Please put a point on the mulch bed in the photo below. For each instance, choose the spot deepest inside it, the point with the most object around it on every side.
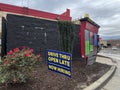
(43, 79)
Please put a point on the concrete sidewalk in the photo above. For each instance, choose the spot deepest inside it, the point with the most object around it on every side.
(100, 82)
(114, 82)
(104, 60)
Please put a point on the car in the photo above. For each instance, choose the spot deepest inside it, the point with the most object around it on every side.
(105, 47)
(114, 48)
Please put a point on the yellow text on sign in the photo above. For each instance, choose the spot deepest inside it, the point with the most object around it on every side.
(63, 56)
(64, 71)
(52, 67)
(64, 62)
(59, 69)
(53, 54)
(53, 59)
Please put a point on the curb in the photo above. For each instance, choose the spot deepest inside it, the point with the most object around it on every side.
(100, 55)
(101, 81)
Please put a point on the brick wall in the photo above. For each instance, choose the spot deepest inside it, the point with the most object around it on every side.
(36, 33)
(39, 34)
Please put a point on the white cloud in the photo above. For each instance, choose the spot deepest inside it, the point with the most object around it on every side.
(106, 13)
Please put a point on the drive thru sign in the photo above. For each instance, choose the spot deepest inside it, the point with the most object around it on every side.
(60, 62)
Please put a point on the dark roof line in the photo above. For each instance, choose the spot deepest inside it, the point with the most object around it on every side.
(90, 21)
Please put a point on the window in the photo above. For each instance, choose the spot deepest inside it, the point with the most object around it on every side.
(89, 42)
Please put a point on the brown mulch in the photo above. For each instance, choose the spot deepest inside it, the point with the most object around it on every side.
(43, 79)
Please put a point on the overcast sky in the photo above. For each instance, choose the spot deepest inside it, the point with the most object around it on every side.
(106, 13)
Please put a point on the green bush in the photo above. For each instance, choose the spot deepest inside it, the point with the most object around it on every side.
(17, 65)
(66, 30)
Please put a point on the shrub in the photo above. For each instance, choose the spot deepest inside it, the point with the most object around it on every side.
(17, 65)
(66, 38)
